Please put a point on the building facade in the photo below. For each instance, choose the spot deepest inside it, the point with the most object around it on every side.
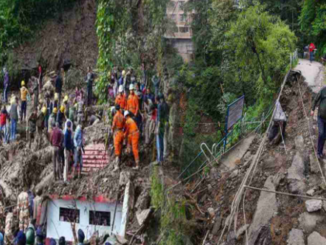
(89, 216)
(181, 35)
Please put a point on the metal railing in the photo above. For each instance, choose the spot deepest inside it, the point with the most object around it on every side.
(245, 127)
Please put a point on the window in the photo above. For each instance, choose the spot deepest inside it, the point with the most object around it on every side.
(183, 18)
(173, 17)
(99, 218)
(69, 215)
(184, 29)
(181, 5)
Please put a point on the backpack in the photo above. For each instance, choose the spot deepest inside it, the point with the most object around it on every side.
(322, 105)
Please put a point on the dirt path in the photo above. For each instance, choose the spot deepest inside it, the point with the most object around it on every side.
(314, 74)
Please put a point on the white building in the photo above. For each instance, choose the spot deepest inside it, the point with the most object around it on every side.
(97, 215)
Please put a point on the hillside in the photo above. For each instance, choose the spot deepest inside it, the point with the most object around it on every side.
(70, 36)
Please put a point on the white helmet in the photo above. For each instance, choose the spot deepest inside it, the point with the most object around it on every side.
(112, 109)
(131, 87)
(126, 113)
(120, 89)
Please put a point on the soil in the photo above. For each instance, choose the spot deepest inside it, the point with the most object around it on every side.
(72, 37)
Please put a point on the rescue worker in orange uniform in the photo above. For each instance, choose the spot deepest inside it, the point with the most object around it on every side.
(118, 126)
(132, 134)
(133, 101)
(121, 99)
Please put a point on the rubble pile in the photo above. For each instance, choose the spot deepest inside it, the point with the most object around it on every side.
(271, 218)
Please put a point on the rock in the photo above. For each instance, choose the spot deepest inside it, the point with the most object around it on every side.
(313, 164)
(211, 212)
(235, 173)
(296, 237)
(266, 208)
(313, 205)
(299, 143)
(142, 216)
(311, 192)
(296, 175)
(308, 221)
(143, 200)
(124, 178)
(217, 226)
(295, 172)
(316, 239)
(324, 205)
(241, 231)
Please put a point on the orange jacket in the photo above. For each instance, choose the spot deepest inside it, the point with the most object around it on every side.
(118, 121)
(133, 104)
(121, 101)
(131, 127)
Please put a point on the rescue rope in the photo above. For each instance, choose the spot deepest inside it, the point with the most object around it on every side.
(240, 193)
(284, 193)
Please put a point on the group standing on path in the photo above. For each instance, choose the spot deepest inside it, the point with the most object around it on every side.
(136, 114)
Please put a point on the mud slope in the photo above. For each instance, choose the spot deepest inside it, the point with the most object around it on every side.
(72, 37)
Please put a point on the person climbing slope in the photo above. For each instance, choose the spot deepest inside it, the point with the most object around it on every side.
(68, 147)
(23, 97)
(132, 135)
(121, 98)
(118, 126)
(56, 140)
(79, 148)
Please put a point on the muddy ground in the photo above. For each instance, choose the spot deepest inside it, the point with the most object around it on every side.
(218, 189)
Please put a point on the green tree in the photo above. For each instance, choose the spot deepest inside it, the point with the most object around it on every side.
(260, 45)
(312, 22)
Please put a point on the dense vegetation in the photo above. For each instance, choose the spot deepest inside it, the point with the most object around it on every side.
(239, 51)
(20, 18)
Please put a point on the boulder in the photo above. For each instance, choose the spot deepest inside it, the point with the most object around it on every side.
(266, 208)
(313, 205)
(296, 175)
(296, 237)
(143, 216)
(316, 239)
(299, 143)
(308, 221)
(217, 226)
(314, 168)
(143, 201)
(311, 192)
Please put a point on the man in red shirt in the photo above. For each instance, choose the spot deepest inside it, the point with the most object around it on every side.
(56, 142)
(3, 123)
(312, 49)
(40, 76)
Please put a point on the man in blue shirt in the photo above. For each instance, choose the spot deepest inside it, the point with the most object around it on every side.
(68, 147)
(79, 147)
(161, 121)
(5, 85)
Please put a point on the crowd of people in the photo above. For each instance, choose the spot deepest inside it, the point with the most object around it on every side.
(135, 114)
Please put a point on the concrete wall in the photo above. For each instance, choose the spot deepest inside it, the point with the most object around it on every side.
(184, 47)
(56, 228)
